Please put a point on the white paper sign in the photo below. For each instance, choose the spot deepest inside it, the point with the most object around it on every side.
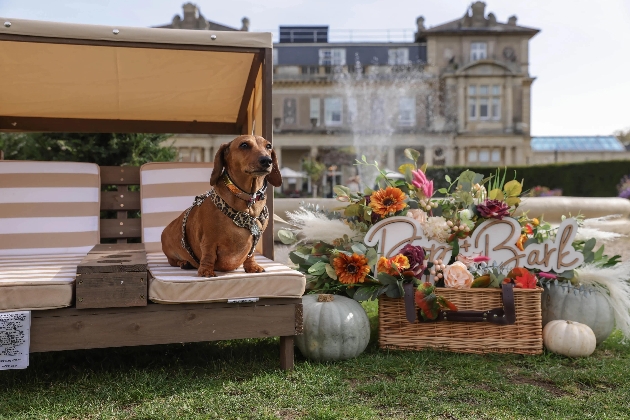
(15, 339)
(493, 238)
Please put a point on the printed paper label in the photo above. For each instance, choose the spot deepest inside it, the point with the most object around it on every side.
(15, 339)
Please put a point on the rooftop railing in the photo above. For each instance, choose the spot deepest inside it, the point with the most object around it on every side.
(351, 35)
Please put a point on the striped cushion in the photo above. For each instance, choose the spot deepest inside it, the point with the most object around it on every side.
(174, 285)
(49, 220)
(37, 282)
(167, 189)
(48, 207)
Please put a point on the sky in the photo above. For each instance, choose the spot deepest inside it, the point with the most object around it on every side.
(580, 59)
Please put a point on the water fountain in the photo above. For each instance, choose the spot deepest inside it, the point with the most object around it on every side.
(381, 100)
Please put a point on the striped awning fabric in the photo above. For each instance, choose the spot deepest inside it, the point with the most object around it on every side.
(167, 189)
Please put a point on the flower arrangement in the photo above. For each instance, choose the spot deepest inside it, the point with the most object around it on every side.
(448, 216)
(624, 187)
(540, 191)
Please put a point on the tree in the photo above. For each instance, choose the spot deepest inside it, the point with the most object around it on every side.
(106, 149)
(315, 170)
(624, 137)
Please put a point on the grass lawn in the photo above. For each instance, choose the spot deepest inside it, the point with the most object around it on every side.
(240, 379)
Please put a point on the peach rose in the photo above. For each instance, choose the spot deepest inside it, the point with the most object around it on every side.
(457, 276)
(417, 214)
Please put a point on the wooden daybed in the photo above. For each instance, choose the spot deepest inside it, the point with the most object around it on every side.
(83, 78)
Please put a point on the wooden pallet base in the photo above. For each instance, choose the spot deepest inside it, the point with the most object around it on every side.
(71, 328)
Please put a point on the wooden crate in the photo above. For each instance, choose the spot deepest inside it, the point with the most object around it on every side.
(112, 276)
(523, 337)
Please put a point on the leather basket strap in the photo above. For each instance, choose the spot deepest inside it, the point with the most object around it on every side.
(500, 316)
(410, 306)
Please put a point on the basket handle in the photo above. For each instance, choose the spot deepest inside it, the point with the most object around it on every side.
(500, 316)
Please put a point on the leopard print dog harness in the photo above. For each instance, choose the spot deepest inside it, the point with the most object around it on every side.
(240, 219)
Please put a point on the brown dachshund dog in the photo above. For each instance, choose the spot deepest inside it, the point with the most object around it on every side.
(214, 238)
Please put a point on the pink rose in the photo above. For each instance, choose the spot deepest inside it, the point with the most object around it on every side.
(457, 276)
(417, 214)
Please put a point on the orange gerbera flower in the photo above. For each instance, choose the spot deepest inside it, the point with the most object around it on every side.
(351, 269)
(521, 241)
(389, 200)
(392, 266)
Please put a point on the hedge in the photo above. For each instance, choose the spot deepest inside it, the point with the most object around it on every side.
(584, 179)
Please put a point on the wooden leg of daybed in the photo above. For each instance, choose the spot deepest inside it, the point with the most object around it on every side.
(286, 352)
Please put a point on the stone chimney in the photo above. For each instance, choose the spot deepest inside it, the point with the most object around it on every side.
(478, 10)
(419, 35)
(512, 20)
(191, 12)
(245, 22)
(492, 19)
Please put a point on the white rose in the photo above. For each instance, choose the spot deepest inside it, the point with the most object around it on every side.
(457, 276)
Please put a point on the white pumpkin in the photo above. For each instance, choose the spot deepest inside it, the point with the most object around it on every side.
(569, 338)
(335, 328)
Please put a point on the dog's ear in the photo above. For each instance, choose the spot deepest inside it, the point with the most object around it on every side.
(219, 163)
(274, 177)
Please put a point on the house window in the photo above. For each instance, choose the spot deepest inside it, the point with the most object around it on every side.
(332, 57)
(289, 111)
(398, 56)
(484, 102)
(315, 108)
(496, 155)
(407, 112)
(472, 108)
(333, 111)
(472, 155)
(310, 69)
(484, 155)
(378, 112)
(478, 51)
(483, 108)
(352, 110)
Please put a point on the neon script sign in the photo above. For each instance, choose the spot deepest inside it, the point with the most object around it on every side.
(495, 239)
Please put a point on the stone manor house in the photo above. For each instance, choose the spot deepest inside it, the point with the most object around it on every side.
(458, 92)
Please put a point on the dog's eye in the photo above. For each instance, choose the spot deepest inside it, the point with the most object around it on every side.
(268, 146)
(244, 145)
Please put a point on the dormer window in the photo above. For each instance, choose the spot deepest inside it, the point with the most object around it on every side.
(332, 56)
(478, 51)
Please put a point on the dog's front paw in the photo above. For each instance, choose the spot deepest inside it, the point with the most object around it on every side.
(252, 267)
(206, 272)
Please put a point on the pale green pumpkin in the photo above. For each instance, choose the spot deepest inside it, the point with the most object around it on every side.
(333, 330)
(562, 301)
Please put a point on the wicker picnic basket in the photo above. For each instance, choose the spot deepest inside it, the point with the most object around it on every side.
(522, 337)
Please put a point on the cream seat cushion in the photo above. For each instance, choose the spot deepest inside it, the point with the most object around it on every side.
(37, 281)
(174, 285)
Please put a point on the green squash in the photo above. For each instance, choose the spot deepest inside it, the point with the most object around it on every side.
(562, 301)
(335, 328)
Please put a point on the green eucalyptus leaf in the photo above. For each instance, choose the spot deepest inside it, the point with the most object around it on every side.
(385, 278)
(589, 245)
(287, 237)
(359, 248)
(372, 256)
(412, 154)
(318, 268)
(363, 293)
(331, 272)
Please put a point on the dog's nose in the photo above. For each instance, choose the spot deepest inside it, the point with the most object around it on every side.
(265, 161)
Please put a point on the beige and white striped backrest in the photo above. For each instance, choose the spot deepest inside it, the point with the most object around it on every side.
(49, 207)
(167, 189)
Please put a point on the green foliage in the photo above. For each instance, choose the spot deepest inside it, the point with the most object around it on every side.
(106, 149)
(585, 179)
(314, 169)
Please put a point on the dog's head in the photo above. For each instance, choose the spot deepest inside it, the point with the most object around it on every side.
(251, 155)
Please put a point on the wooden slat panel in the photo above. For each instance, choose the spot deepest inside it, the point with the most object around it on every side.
(111, 290)
(120, 175)
(267, 130)
(119, 259)
(181, 324)
(112, 228)
(249, 89)
(79, 125)
(120, 200)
